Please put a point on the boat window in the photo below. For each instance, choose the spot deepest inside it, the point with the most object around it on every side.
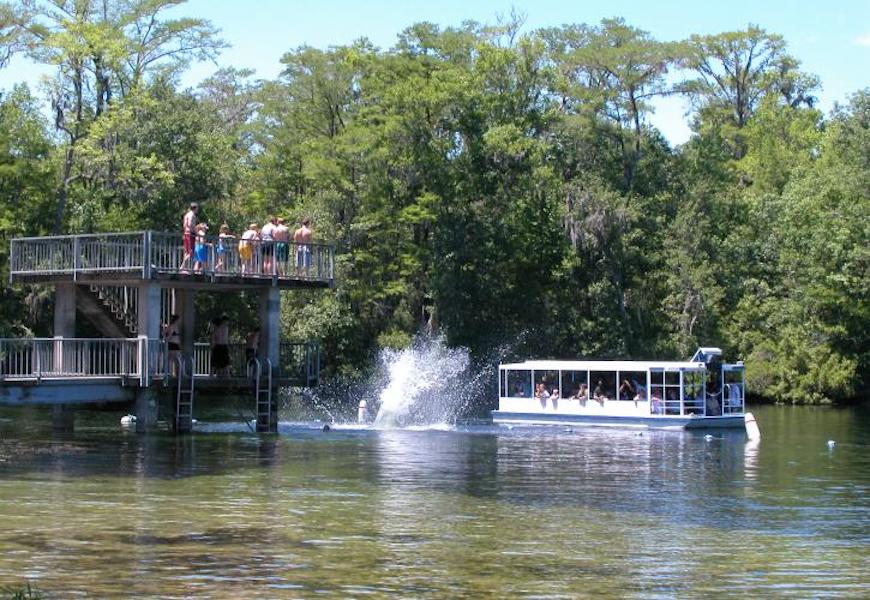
(603, 384)
(732, 390)
(550, 379)
(664, 392)
(576, 384)
(693, 392)
(632, 386)
(519, 384)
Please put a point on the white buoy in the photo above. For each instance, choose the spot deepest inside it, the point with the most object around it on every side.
(128, 420)
(362, 415)
(752, 431)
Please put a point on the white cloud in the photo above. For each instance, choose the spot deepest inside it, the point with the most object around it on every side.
(863, 40)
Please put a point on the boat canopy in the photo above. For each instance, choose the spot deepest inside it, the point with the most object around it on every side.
(602, 365)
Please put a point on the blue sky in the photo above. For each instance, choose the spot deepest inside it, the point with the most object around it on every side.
(831, 39)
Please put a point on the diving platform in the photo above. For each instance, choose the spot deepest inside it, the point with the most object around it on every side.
(129, 286)
(129, 258)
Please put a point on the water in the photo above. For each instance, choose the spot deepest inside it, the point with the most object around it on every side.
(425, 384)
(481, 511)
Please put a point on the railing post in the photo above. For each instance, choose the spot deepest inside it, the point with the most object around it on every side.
(76, 261)
(144, 367)
(146, 254)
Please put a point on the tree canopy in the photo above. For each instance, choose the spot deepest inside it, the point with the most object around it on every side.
(503, 186)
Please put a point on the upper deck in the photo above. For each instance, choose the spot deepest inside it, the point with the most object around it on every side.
(150, 255)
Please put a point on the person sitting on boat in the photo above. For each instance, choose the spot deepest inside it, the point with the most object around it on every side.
(554, 398)
(542, 394)
(656, 403)
(598, 393)
(626, 390)
(640, 389)
(582, 394)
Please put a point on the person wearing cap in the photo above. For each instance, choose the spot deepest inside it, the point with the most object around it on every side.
(188, 232)
(246, 248)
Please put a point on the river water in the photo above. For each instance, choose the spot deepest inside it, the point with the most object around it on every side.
(440, 512)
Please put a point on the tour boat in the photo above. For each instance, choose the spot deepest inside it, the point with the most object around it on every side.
(701, 392)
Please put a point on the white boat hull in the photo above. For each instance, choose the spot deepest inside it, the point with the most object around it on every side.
(649, 422)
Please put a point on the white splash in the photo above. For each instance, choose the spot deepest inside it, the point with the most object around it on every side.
(426, 384)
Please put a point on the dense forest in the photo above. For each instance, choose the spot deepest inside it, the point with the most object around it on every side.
(503, 186)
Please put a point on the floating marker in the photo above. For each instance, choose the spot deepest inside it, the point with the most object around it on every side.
(752, 431)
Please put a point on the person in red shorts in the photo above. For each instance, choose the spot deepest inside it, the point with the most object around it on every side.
(188, 228)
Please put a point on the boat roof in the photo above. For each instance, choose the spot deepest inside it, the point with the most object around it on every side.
(601, 365)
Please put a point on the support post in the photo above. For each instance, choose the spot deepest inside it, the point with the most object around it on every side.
(148, 322)
(65, 309)
(270, 326)
(186, 302)
(63, 418)
(270, 343)
(64, 327)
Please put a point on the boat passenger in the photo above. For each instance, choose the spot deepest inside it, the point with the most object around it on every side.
(554, 398)
(542, 394)
(656, 404)
(598, 393)
(582, 394)
(626, 390)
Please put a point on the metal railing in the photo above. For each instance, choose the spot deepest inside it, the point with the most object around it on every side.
(34, 359)
(231, 256)
(299, 361)
(151, 253)
(63, 358)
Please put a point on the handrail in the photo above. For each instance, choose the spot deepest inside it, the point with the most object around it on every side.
(35, 359)
(150, 253)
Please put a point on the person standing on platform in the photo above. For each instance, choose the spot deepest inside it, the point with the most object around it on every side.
(200, 249)
(188, 231)
(246, 248)
(252, 345)
(172, 337)
(302, 237)
(282, 239)
(220, 346)
(225, 239)
(267, 237)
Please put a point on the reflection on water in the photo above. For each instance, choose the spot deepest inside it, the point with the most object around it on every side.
(473, 512)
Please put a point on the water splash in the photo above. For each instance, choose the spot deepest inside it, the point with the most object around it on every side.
(427, 383)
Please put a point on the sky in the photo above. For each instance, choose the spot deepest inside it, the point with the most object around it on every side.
(831, 39)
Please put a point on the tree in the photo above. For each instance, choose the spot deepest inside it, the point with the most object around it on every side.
(735, 71)
(104, 49)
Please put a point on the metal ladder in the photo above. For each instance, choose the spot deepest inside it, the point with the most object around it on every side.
(267, 420)
(184, 395)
